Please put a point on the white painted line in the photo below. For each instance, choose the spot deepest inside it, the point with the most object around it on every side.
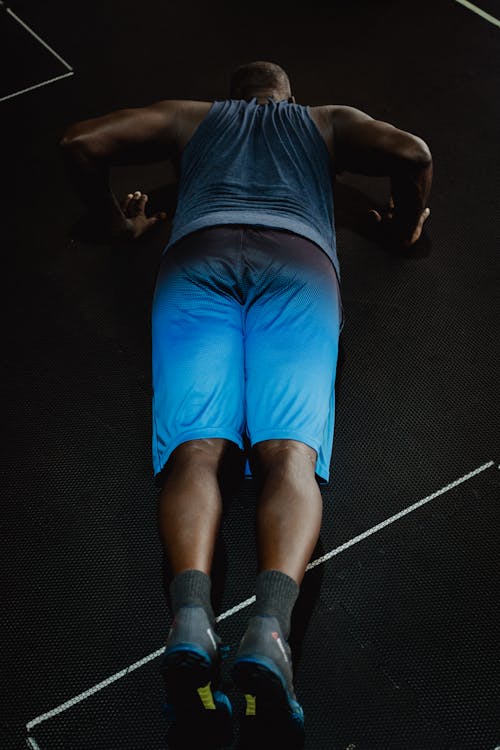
(248, 602)
(397, 516)
(36, 86)
(92, 690)
(38, 38)
(479, 12)
(32, 744)
(237, 608)
(44, 44)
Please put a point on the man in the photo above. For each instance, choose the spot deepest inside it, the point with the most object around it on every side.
(245, 325)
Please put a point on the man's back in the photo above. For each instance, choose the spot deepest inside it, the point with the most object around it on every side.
(257, 164)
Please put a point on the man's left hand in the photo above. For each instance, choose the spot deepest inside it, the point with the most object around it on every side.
(134, 210)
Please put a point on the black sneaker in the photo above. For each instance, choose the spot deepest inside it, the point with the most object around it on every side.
(191, 670)
(262, 670)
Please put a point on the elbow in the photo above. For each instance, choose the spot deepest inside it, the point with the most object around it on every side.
(71, 146)
(77, 148)
(413, 157)
(72, 141)
(78, 138)
(67, 143)
(420, 154)
(71, 136)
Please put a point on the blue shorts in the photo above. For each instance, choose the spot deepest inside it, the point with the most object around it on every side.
(245, 330)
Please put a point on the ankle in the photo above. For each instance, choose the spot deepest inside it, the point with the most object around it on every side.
(192, 588)
(276, 594)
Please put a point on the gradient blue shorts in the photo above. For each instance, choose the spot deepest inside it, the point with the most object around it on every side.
(245, 330)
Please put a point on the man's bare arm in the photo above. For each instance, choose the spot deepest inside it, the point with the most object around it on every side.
(128, 136)
(366, 146)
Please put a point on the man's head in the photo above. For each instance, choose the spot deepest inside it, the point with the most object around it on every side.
(260, 79)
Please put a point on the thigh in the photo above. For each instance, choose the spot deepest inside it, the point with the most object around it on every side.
(291, 353)
(197, 357)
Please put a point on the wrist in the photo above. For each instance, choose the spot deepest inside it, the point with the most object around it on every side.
(119, 228)
(118, 224)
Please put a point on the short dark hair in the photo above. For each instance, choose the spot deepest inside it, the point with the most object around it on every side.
(259, 76)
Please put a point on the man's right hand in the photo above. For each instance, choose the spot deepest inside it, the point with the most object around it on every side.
(396, 232)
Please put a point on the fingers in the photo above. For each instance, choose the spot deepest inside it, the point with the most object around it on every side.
(134, 208)
(387, 214)
(140, 199)
(388, 228)
(126, 203)
(423, 217)
(158, 216)
(374, 215)
(418, 230)
(134, 203)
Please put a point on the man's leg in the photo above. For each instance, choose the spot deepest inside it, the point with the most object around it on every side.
(190, 504)
(288, 525)
(198, 392)
(190, 510)
(290, 507)
(291, 343)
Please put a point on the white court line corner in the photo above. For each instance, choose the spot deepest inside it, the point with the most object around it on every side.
(47, 47)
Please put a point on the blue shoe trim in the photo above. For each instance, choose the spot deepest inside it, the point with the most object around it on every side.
(186, 646)
(269, 664)
(222, 702)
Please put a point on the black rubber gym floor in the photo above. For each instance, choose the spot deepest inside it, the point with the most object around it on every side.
(396, 634)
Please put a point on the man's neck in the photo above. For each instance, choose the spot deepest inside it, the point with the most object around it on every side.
(262, 98)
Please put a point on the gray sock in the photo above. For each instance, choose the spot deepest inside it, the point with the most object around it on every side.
(191, 588)
(276, 594)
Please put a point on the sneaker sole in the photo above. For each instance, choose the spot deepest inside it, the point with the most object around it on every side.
(186, 668)
(200, 713)
(258, 677)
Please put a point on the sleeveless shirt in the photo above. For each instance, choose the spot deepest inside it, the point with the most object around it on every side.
(257, 164)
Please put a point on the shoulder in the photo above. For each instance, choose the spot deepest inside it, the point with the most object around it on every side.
(332, 117)
(180, 107)
(181, 116)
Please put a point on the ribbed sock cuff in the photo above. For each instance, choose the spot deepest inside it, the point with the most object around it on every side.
(191, 588)
(276, 594)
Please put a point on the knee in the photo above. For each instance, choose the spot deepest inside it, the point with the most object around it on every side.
(289, 458)
(204, 453)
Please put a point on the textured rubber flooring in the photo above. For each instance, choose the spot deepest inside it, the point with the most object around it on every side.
(395, 637)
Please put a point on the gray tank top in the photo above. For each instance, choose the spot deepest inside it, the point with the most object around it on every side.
(258, 164)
